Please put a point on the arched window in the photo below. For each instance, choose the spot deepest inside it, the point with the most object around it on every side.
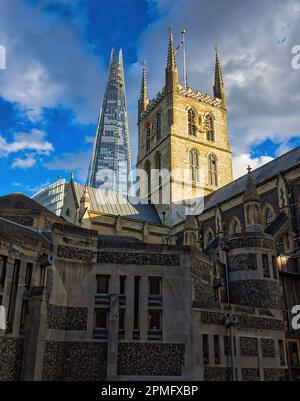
(191, 121)
(147, 169)
(235, 226)
(212, 170)
(208, 237)
(158, 127)
(194, 165)
(209, 126)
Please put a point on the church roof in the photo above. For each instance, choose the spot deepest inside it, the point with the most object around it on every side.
(260, 175)
(113, 203)
(22, 202)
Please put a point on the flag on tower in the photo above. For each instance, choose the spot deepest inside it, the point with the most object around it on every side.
(179, 46)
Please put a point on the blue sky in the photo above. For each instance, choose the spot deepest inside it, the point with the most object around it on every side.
(57, 54)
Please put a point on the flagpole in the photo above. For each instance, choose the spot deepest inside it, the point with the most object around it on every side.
(184, 65)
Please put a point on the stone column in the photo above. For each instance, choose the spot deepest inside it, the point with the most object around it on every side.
(35, 333)
(112, 342)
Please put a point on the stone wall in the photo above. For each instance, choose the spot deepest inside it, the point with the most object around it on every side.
(204, 294)
(258, 293)
(275, 374)
(75, 361)
(268, 347)
(250, 374)
(11, 354)
(150, 359)
(138, 258)
(67, 318)
(248, 346)
(243, 262)
(217, 374)
(68, 252)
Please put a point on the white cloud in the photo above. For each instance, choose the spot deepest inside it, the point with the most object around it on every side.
(68, 161)
(242, 161)
(33, 140)
(27, 162)
(48, 61)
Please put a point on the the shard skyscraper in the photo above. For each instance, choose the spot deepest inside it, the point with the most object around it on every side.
(110, 167)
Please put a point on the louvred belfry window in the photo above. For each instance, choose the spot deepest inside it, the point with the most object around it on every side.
(191, 122)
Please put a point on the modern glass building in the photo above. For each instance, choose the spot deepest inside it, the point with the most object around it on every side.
(53, 196)
(110, 164)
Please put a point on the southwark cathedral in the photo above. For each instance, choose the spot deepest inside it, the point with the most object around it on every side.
(191, 277)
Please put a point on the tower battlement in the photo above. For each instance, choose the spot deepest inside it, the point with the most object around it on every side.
(189, 92)
(198, 95)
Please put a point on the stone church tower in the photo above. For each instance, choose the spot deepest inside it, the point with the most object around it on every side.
(184, 132)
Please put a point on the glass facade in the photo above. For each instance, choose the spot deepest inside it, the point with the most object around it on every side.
(52, 197)
(110, 165)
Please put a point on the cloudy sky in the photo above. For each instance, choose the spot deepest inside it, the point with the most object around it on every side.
(57, 55)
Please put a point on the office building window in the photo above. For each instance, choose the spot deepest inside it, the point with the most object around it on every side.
(102, 284)
(122, 314)
(205, 349)
(154, 320)
(155, 286)
(122, 285)
(136, 303)
(101, 316)
(217, 349)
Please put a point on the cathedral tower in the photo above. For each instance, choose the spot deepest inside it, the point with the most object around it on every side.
(110, 165)
(184, 132)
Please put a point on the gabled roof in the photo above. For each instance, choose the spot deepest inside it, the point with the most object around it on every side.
(260, 175)
(22, 202)
(113, 203)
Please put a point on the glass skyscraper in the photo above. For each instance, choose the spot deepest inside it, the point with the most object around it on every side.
(110, 167)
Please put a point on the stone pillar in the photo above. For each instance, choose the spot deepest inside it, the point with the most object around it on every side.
(112, 342)
(35, 334)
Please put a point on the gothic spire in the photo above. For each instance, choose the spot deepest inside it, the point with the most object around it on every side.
(219, 89)
(171, 70)
(143, 100)
(144, 89)
(171, 64)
